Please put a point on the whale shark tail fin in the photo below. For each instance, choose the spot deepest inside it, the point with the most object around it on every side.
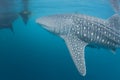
(115, 22)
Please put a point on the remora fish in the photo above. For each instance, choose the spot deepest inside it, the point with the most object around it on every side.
(6, 20)
(25, 14)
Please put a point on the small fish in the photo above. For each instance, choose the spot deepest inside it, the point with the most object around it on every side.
(25, 14)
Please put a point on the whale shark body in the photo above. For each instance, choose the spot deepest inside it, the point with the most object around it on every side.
(79, 30)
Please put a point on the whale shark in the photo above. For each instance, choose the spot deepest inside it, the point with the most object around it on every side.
(79, 31)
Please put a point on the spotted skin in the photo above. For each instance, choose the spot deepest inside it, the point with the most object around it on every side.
(78, 31)
(95, 31)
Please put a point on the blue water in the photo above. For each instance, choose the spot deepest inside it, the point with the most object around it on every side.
(31, 53)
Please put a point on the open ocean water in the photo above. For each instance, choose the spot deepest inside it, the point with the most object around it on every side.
(32, 53)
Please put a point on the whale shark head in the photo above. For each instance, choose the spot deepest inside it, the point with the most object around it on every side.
(57, 23)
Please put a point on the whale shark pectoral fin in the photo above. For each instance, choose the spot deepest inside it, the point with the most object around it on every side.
(76, 48)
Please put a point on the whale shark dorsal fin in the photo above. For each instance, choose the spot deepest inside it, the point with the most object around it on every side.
(114, 22)
(113, 17)
(76, 48)
(116, 5)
